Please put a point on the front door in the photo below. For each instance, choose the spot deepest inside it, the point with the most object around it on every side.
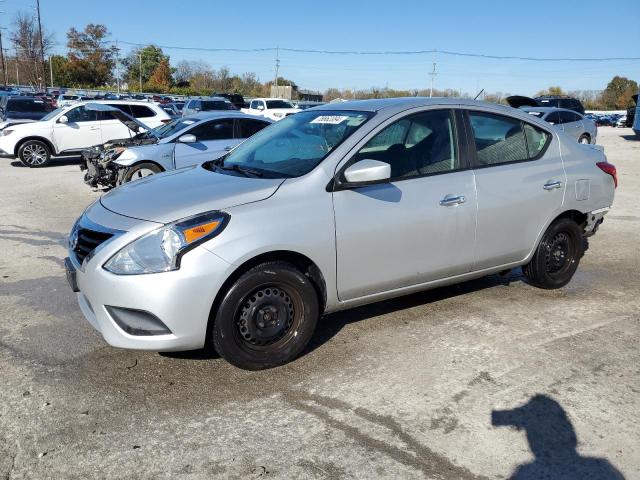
(214, 138)
(417, 228)
(82, 130)
(520, 185)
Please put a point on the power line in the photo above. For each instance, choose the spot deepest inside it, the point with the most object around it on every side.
(388, 52)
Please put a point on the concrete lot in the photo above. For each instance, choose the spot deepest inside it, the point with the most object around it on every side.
(400, 389)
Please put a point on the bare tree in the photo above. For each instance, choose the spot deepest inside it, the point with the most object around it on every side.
(26, 40)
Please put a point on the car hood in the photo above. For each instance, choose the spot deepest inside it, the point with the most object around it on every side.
(176, 194)
(517, 101)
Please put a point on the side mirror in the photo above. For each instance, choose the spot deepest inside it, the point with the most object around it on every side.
(367, 172)
(260, 107)
(63, 119)
(197, 109)
(187, 138)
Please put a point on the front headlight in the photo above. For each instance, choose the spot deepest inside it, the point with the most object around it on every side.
(278, 115)
(161, 250)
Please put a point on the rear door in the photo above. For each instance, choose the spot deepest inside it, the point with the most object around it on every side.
(416, 228)
(214, 138)
(81, 131)
(571, 123)
(520, 184)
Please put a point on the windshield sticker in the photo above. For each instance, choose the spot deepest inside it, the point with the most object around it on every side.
(330, 119)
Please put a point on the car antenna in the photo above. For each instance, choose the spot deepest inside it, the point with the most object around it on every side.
(479, 93)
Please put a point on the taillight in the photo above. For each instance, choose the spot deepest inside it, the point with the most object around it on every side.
(609, 168)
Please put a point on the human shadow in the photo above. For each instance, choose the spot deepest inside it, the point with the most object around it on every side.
(553, 441)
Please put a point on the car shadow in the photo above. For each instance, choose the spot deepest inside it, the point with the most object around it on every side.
(631, 137)
(331, 324)
(55, 162)
(553, 441)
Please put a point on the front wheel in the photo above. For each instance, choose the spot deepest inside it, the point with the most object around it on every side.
(34, 154)
(267, 317)
(557, 257)
(140, 170)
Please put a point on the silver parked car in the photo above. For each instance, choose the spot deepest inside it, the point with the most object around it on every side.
(336, 206)
(577, 126)
(183, 142)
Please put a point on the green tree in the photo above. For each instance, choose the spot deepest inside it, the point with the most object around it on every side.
(148, 58)
(617, 95)
(90, 61)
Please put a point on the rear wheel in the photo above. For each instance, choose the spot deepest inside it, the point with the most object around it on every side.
(34, 154)
(557, 256)
(267, 317)
(584, 139)
(141, 170)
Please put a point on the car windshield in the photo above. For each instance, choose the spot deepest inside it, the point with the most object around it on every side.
(167, 129)
(51, 114)
(297, 144)
(278, 104)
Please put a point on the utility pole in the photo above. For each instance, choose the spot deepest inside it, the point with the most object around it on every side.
(44, 80)
(117, 51)
(433, 76)
(275, 81)
(4, 65)
(140, 69)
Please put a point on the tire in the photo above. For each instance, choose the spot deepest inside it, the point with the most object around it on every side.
(140, 170)
(34, 154)
(584, 139)
(557, 257)
(266, 318)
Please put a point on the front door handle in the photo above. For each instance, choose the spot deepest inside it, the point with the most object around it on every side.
(452, 200)
(552, 185)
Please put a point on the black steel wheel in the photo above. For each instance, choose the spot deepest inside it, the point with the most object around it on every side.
(267, 317)
(557, 257)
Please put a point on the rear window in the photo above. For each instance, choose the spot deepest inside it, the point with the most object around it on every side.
(20, 105)
(208, 105)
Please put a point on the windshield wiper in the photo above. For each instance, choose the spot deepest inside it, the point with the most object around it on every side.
(247, 172)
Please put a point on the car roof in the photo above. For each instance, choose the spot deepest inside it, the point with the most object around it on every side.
(221, 99)
(402, 103)
(547, 109)
(116, 102)
(212, 114)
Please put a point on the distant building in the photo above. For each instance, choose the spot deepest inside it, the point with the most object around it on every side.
(292, 92)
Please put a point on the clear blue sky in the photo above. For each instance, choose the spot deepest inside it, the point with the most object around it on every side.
(542, 28)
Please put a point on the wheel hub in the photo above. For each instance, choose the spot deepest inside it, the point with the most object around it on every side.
(557, 253)
(266, 316)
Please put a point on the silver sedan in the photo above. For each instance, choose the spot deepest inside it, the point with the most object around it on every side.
(571, 123)
(336, 206)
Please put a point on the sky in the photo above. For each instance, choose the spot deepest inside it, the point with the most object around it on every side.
(541, 29)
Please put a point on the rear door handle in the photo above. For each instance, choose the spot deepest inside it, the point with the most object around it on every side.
(552, 185)
(452, 200)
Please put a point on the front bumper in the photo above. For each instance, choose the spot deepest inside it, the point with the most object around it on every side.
(181, 299)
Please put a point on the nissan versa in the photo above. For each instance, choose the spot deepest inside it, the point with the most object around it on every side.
(333, 207)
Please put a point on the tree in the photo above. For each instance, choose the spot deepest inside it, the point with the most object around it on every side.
(550, 91)
(26, 40)
(149, 58)
(617, 95)
(90, 62)
(160, 80)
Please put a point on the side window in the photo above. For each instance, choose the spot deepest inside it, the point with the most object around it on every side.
(421, 144)
(141, 111)
(537, 140)
(81, 114)
(249, 127)
(216, 130)
(553, 118)
(498, 139)
(122, 106)
(254, 104)
(566, 117)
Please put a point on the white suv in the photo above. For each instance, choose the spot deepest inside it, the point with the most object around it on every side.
(272, 108)
(72, 128)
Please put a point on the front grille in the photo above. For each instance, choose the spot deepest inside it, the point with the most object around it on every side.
(88, 241)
